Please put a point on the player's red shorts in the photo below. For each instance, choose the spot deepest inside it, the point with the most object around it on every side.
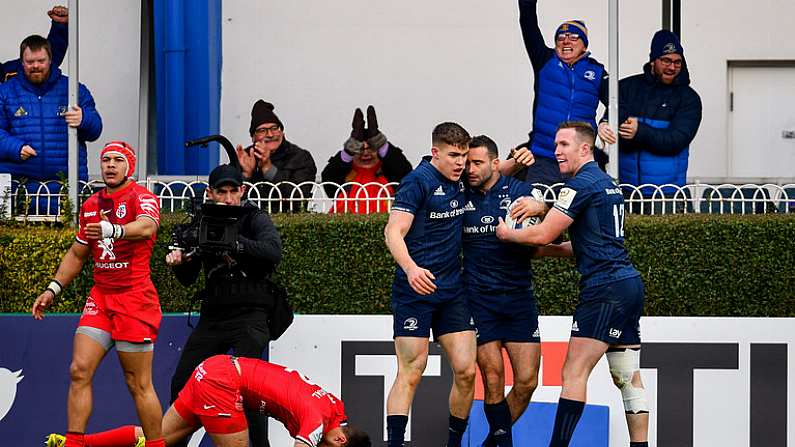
(212, 398)
(133, 315)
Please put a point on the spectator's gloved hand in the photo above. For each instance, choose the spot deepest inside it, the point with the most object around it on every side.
(59, 14)
(354, 144)
(375, 138)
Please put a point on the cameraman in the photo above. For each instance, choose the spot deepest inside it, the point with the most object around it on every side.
(237, 294)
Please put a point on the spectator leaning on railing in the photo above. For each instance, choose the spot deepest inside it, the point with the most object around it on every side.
(659, 114)
(271, 158)
(34, 115)
(366, 157)
(58, 38)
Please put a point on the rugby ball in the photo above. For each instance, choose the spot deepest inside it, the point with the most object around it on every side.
(535, 220)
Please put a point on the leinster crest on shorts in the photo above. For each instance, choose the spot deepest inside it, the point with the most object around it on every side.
(121, 210)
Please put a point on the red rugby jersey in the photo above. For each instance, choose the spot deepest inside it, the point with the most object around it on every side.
(120, 264)
(306, 410)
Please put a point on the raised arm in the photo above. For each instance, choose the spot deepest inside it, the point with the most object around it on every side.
(537, 49)
(59, 33)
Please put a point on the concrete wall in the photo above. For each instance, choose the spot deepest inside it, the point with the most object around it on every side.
(421, 63)
(109, 58)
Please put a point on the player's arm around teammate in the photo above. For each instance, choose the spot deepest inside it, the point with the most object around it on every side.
(592, 204)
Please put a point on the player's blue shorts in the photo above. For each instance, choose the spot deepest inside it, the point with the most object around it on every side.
(610, 312)
(415, 315)
(511, 317)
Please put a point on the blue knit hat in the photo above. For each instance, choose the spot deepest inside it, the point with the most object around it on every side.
(573, 27)
(665, 42)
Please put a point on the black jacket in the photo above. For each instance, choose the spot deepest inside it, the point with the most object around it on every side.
(244, 287)
(293, 164)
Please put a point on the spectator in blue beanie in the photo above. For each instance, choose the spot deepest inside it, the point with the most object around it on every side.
(568, 84)
(659, 114)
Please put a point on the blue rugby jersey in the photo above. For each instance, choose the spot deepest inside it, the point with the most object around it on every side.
(492, 266)
(434, 239)
(596, 204)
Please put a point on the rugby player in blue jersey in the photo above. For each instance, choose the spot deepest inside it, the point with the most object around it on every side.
(607, 318)
(423, 234)
(498, 279)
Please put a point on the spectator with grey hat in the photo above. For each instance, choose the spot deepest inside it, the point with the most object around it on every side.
(659, 114)
(238, 297)
(273, 159)
(367, 158)
(568, 84)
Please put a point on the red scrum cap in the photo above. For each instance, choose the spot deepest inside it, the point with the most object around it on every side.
(124, 150)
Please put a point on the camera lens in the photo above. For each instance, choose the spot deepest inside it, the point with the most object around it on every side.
(215, 233)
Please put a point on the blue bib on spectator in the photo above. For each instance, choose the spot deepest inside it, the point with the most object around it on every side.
(564, 94)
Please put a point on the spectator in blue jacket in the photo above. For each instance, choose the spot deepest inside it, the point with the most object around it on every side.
(34, 115)
(58, 38)
(659, 114)
(568, 85)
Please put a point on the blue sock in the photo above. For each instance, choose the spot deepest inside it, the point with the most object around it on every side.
(639, 444)
(499, 417)
(569, 412)
(456, 431)
(396, 429)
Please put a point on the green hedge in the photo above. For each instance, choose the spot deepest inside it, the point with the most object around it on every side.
(691, 265)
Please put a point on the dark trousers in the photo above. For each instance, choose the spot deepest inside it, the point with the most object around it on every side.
(246, 337)
(545, 171)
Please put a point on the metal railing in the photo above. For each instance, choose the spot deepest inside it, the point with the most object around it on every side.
(42, 201)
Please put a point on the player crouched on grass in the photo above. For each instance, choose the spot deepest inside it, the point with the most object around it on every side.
(223, 386)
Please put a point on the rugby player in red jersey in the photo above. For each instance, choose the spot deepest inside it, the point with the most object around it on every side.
(222, 387)
(118, 227)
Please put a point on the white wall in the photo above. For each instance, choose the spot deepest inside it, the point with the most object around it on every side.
(421, 63)
(418, 62)
(110, 39)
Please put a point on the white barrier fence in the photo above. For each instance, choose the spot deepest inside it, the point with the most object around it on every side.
(42, 201)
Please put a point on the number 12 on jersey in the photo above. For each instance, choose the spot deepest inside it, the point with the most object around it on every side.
(618, 219)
